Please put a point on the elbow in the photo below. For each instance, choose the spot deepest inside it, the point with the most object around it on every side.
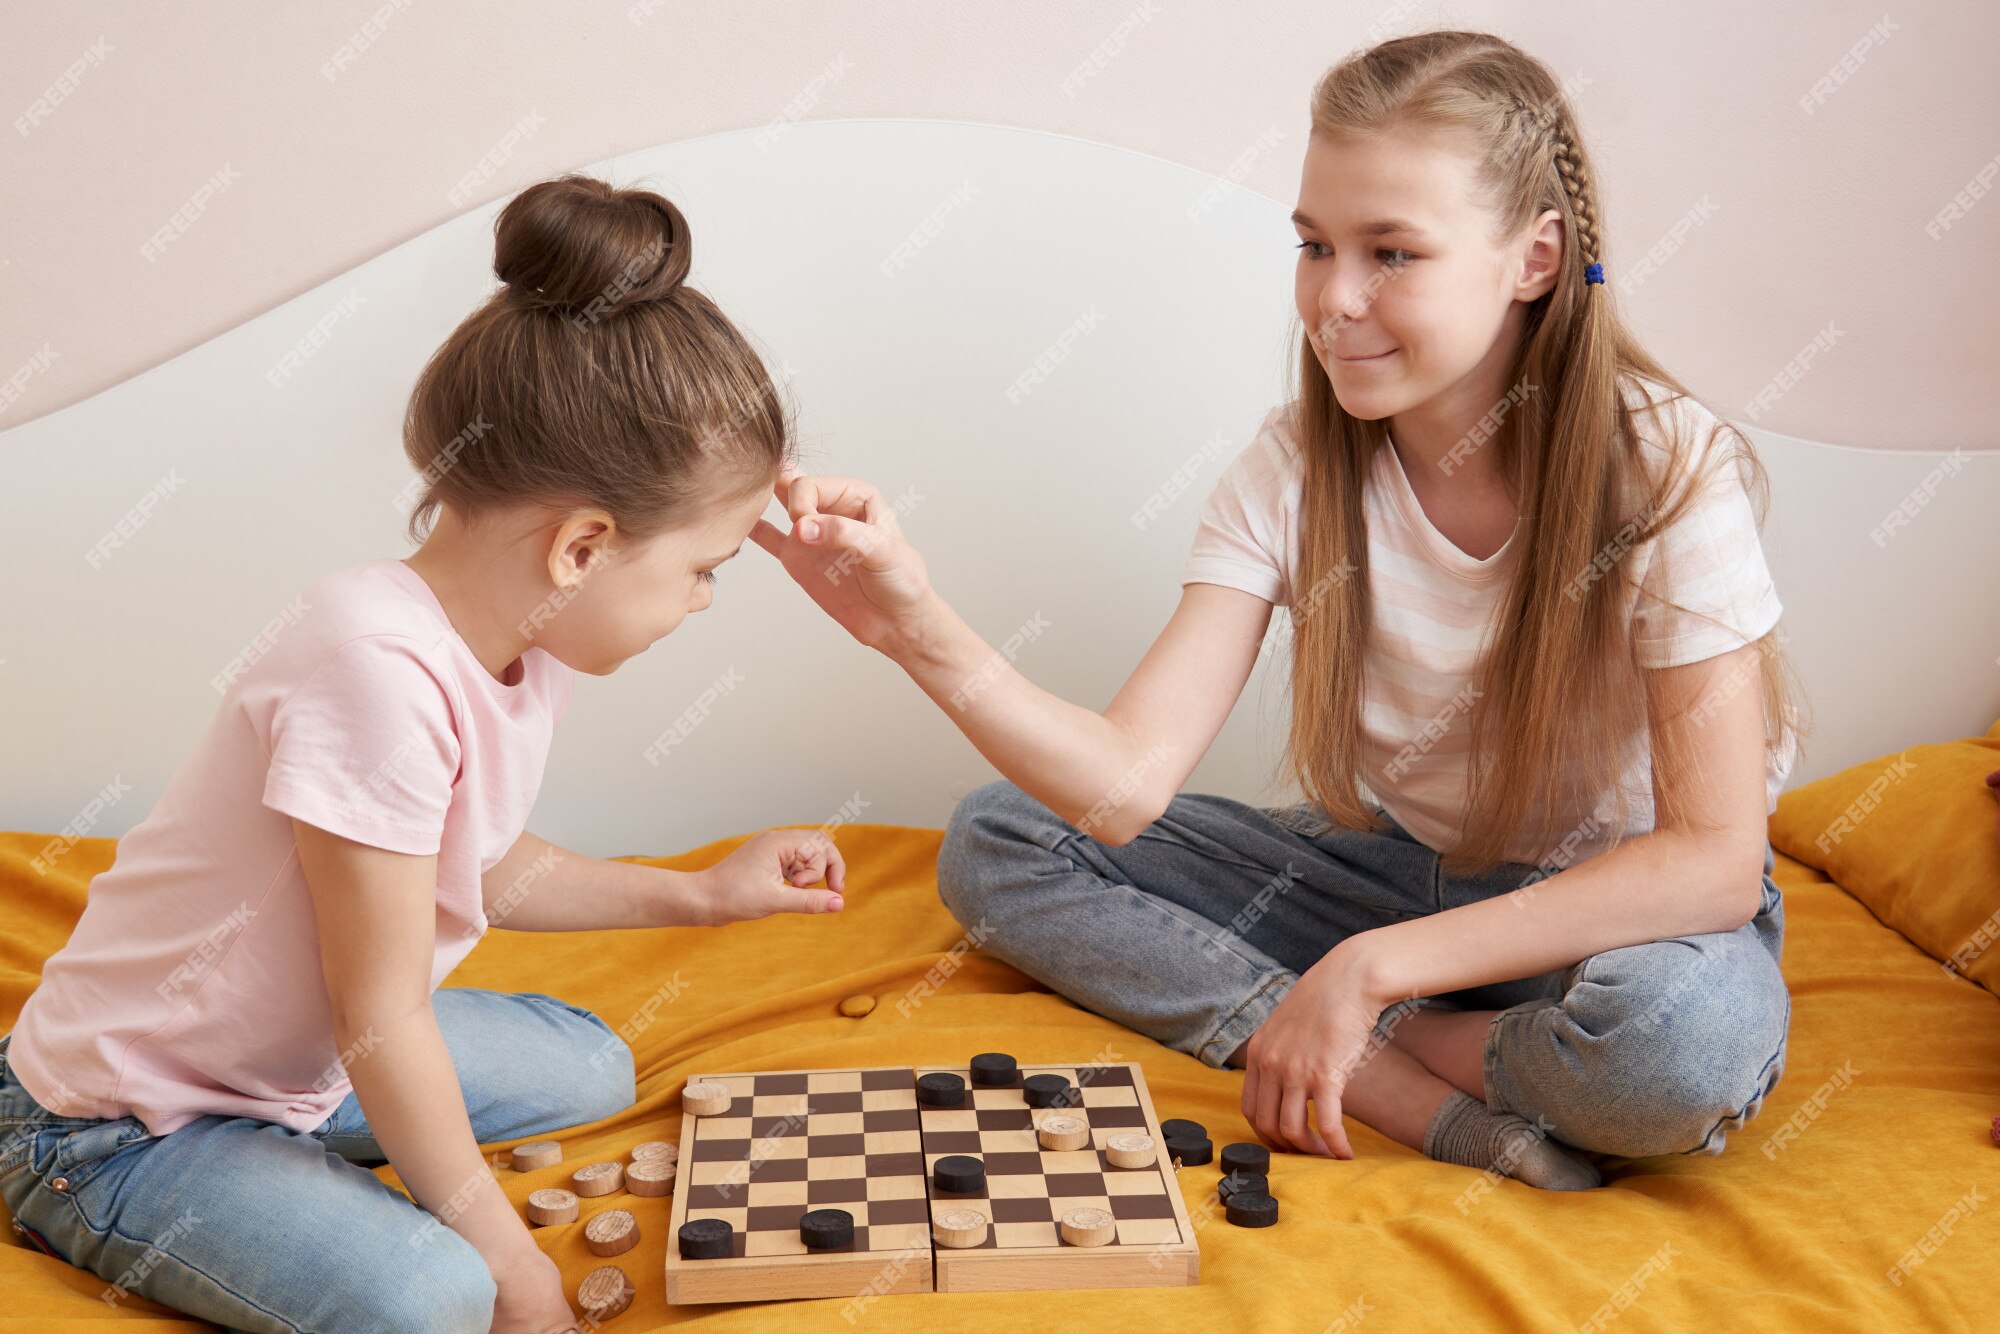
(1738, 884)
(364, 1024)
(1115, 826)
(1112, 834)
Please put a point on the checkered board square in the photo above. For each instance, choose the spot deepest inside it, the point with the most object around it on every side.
(1029, 1188)
(790, 1142)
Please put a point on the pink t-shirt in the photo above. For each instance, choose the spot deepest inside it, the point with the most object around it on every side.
(192, 982)
(1434, 606)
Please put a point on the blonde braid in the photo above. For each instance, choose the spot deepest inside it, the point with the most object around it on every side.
(1576, 184)
(1569, 167)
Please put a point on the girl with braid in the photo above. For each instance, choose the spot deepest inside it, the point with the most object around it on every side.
(1539, 705)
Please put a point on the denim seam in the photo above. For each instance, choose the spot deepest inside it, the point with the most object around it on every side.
(1489, 1063)
(1763, 1090)
(113, 1230)
(1227, 939)
(1227, 856)
(1230, 1025)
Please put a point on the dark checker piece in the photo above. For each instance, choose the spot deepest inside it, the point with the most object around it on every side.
(939, 1089)
(1191, 1152)
(1180, 1128)
(1249, 1210)
(1243, 1183)
(1048, 1091)
(706, 1239)
(826, 1229)
(994, 1069)
(1245, 1158)
(959, 1173)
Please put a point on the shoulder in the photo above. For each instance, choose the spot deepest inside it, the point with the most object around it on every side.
(1277, 437)
(377, 597)
(357, 630)
(1677, 435)
(1272, 464)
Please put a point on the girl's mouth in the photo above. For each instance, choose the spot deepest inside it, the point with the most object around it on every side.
(1363, 361)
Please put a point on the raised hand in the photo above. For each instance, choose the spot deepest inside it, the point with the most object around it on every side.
(846, 550)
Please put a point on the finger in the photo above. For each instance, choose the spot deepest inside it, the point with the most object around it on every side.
(847, 496)
(811, 847)
(802, 496)
(826, 530)
(1332, 1130)
(859, 501)
(844, 495)
(1270, 1093)
(810, 868)
(1250, 1081)
(836, 869)
(790, 898)
(768, 536)
(1292, 1122)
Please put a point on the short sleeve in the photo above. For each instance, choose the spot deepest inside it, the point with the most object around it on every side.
(1242, 539)
(367, 748)
(1710, 562)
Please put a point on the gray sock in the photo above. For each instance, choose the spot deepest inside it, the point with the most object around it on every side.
(1468, 1132)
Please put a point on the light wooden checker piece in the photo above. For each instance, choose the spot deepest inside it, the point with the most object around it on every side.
(791, 1141)
(1029, 1188)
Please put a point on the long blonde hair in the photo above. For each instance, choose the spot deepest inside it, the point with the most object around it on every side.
(1560, 694)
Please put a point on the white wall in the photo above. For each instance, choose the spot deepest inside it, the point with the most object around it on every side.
(1024, 509)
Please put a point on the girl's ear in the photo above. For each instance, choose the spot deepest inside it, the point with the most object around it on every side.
(583, 544)
(1541, 260)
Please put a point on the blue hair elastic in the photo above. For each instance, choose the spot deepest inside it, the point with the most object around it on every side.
(1593, 273)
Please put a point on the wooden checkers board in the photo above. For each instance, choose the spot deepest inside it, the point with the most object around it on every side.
(1029, 1188)
(857, 1140)
(798, 1140)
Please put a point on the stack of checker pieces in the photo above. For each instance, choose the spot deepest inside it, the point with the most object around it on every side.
(791, 1142)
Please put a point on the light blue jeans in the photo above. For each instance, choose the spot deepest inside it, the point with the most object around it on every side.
(257, 1227)
(1193, 931)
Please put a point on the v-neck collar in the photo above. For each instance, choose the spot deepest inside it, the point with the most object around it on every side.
(1441, 550)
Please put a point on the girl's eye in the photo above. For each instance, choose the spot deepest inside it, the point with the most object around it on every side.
(1319, 250)
(706, 576)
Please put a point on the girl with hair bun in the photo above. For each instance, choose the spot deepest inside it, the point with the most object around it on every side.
(1540, 709)
(247, 1016)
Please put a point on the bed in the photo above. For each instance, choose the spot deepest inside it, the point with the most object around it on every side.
(1858, 1199)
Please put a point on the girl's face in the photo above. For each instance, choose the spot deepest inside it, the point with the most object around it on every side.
(626, 603)
(1401, 288)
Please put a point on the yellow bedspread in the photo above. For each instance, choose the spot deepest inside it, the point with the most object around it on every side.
(1894, 1074)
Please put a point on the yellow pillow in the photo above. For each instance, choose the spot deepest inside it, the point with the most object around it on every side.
(1913, 836)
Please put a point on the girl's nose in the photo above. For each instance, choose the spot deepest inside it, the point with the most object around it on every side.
(1346, 295)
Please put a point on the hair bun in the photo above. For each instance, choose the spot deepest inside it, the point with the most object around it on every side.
(581, 246)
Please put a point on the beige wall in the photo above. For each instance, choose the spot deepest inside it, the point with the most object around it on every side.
(1791, 177)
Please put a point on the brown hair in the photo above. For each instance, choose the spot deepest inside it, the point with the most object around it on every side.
(1560, 694)
(594, 377)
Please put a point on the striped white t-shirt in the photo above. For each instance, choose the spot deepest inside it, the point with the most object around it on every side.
(1433, 607)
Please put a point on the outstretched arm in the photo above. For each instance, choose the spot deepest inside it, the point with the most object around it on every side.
(1110, 774)
(538, 886)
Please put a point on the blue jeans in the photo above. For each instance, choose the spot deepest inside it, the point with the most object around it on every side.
(1193, 931)
(255, 1226)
